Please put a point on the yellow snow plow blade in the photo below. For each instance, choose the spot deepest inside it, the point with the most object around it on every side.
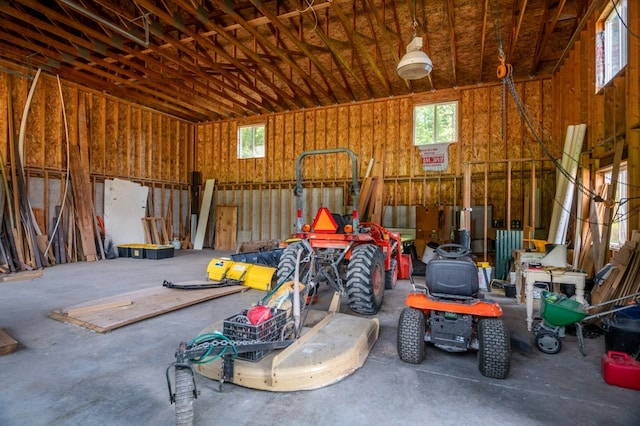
(258, 277)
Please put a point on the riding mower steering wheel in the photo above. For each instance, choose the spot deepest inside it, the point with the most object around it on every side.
(452, 251)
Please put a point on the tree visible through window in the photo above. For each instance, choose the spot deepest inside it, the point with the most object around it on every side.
(251, 141)
(435, 123)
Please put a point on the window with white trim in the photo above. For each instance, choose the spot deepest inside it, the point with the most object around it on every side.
(435, 123)
(611, 42)
(251, 141)
(619, 223)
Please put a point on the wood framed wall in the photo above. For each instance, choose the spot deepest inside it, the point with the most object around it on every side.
(612, 115)
(377, 129)
(126, 141)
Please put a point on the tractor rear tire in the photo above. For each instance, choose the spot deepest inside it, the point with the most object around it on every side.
(494, 355)
(410, 340)
(287, 263)
(365, 279)
(391, 276)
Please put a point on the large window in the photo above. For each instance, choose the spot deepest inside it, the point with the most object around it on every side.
(251, 141)
(435, 123)
(611, 42)
(620, 210)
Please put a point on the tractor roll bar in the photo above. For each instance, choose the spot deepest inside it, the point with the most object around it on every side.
(355, 189)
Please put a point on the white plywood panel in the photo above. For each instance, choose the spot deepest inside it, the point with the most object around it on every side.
(125, 204)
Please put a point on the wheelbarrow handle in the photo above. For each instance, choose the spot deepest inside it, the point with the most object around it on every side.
(621, 308)
(608, 302)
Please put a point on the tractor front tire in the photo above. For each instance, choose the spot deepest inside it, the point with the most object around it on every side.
(410, 340)
(365, 279)
(494, 355)
(287, 263)
(391, 276)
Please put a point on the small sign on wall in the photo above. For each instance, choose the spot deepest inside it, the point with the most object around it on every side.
(435, 157)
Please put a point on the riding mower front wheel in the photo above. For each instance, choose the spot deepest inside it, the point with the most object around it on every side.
(410, 340)
(494, 354)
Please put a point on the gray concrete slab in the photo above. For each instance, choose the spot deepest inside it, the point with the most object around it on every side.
(63, 374)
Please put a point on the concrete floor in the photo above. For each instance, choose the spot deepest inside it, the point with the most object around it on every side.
(63, 374)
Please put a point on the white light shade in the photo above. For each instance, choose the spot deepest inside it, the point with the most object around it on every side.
(415, 63)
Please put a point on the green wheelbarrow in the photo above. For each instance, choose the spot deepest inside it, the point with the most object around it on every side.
(558, 311)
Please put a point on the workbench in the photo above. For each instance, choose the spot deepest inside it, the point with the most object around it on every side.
(555, 277)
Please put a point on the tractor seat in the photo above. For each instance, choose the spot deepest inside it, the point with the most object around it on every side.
(451, 277)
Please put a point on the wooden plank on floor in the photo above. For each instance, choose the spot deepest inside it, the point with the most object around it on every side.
(21, 276)
(7, 343)
(145, 303)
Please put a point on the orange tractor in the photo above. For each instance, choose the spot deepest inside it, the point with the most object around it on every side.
(451, 313)
(359, 259)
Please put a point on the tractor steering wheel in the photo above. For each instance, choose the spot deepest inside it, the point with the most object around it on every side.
(452, 251)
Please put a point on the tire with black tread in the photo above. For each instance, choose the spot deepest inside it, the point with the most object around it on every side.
(184, 397)
(287, 263)
(494, 354)
(365, 279)
(410, 339)
(391, 276)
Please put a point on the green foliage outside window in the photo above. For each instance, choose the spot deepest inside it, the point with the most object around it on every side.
(251, 141)
(435, 123)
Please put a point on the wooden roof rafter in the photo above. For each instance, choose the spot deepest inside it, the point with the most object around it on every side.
(546, 29)
(148, 59)
(249, 53)
(334, 50)
(323, 71)
(452, 38)
(516, 25)
(93, 72)
(209, 45)
(483, 40)
(360, 47)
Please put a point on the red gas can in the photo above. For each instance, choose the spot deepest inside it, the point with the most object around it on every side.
(619, 369)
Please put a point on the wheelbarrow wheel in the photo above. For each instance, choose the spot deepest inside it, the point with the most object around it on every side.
(548, 342)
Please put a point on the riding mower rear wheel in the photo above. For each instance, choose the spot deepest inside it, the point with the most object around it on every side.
(494, 354)
(410, 340)
(365, 279)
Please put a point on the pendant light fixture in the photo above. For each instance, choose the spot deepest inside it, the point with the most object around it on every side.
(415, 64)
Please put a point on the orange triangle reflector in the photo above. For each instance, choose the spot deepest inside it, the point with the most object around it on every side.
(324, 222)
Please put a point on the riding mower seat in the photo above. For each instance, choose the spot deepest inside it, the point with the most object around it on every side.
(452, 279)
(452, 314)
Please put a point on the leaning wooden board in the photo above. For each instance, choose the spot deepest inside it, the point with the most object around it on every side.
(109, 313)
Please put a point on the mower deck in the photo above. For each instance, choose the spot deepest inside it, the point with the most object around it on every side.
(331, 347)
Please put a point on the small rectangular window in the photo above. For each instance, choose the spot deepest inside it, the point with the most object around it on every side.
(611, 42)
(435, 123)
(619, 219)
(251, 141)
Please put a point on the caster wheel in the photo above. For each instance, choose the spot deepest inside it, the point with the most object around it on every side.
(548, 342)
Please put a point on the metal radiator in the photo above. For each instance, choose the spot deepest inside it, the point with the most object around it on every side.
(506, 242)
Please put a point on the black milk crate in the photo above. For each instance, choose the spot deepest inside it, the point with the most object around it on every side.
(238, 328)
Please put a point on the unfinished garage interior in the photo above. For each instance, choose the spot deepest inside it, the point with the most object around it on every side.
(350, 211)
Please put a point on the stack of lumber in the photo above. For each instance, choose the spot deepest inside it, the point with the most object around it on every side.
(623, 279)
(367, 201)
(74, 233)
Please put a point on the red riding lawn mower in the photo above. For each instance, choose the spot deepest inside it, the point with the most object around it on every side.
(359, 259)
(450, 313)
